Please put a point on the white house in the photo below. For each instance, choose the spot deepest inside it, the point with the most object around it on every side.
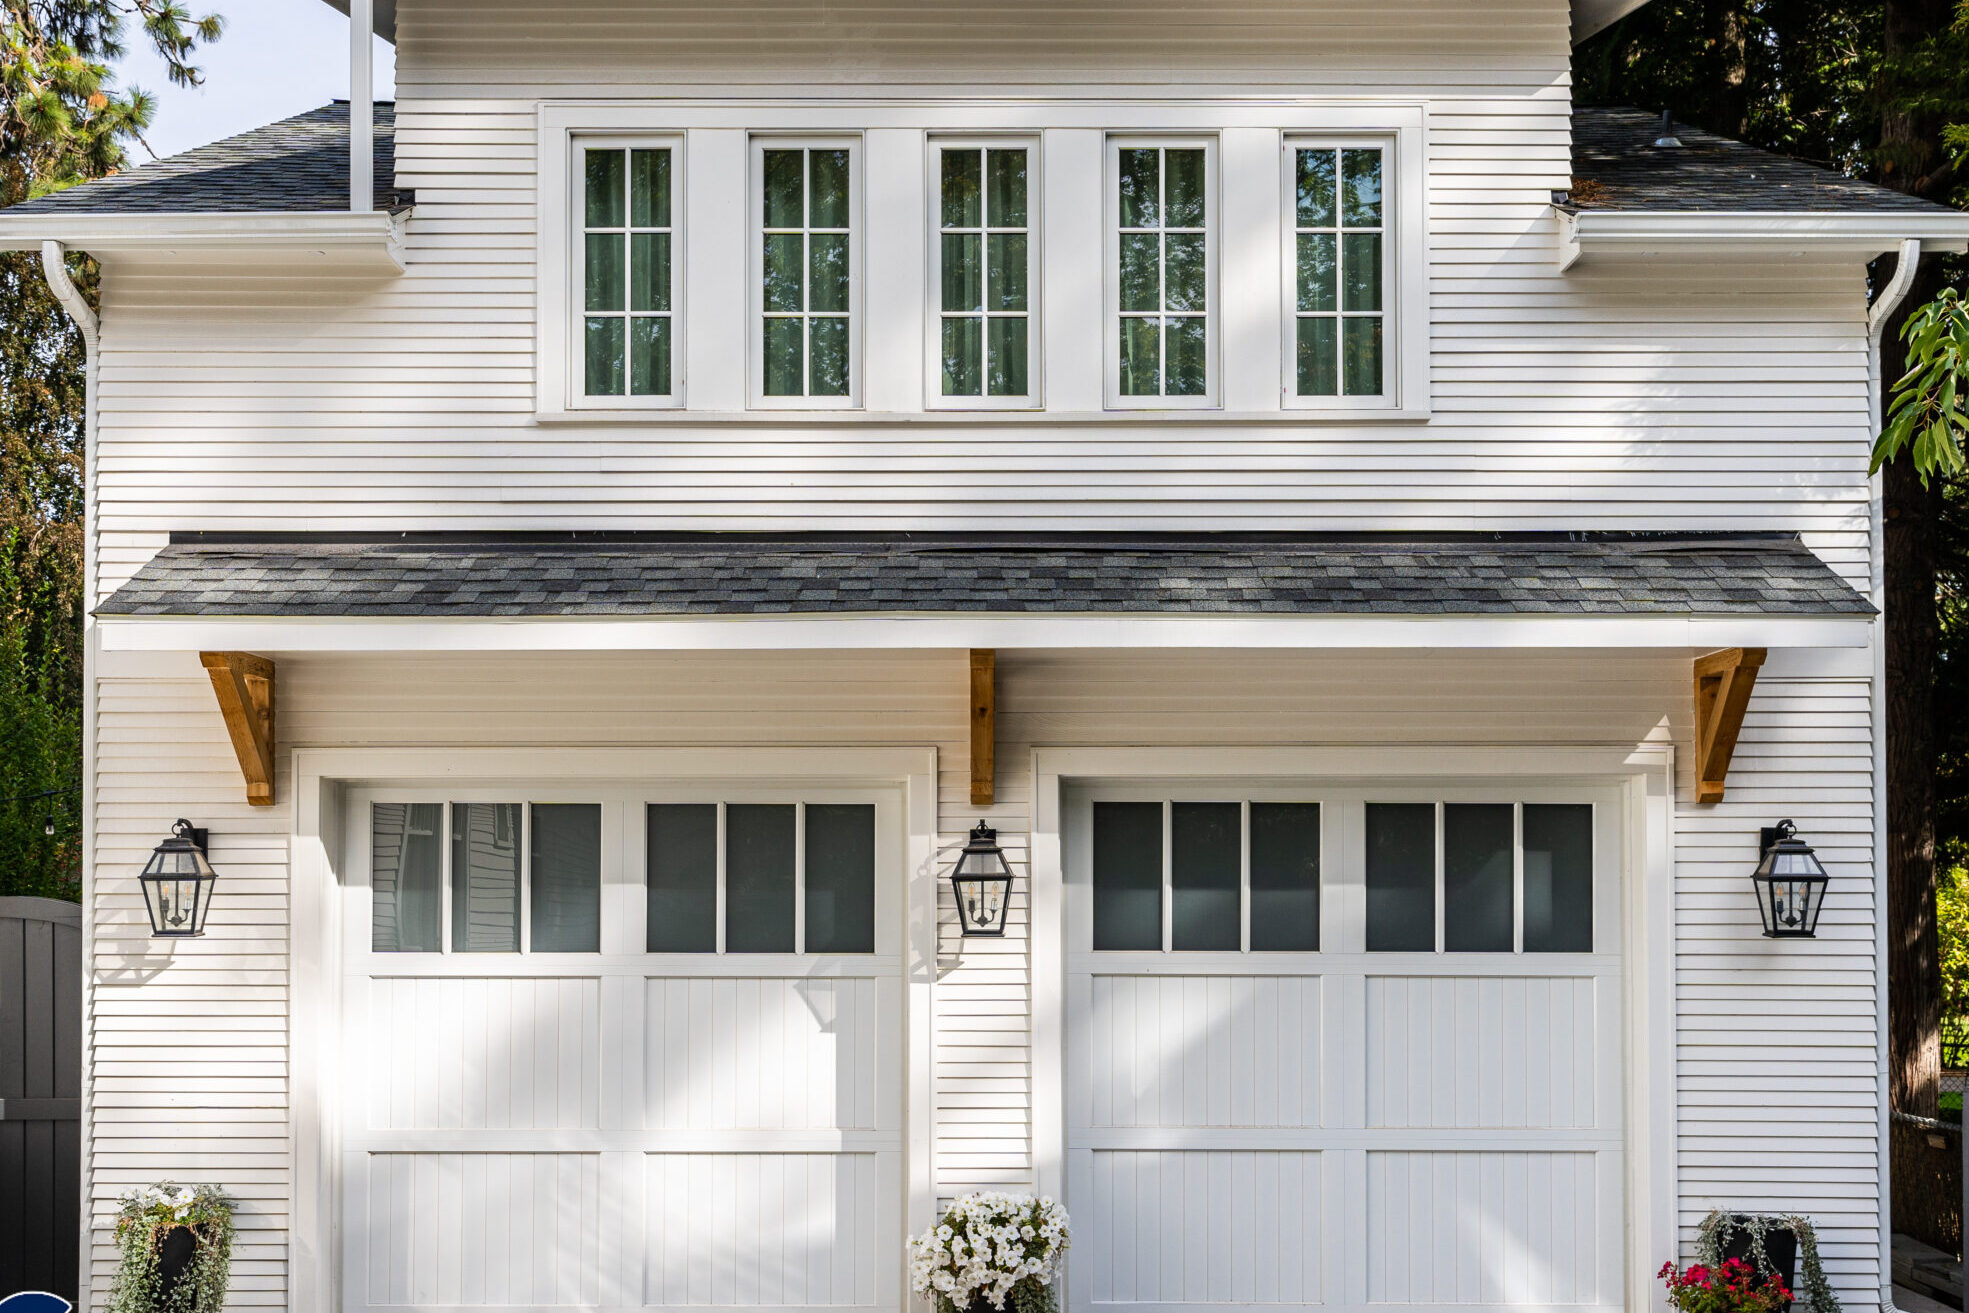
(596, 509)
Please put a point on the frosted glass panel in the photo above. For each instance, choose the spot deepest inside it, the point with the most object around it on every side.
(1285, 876)
(1558, 878)
(485, 877)
(406, 876)
(566, 878)
(1203, 875)
(759, 878)
(683, 878)
(1401, 877)
(840, 878)
(1477, 911)
(1127, 875)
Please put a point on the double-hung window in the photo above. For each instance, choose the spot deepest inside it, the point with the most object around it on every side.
(626, 271)
(1338, 347)
(982, 266)
(1162, 201)
(807, 283)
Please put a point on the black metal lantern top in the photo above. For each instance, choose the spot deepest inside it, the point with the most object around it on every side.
(177, 883)
(1790, 884)
(982, 881)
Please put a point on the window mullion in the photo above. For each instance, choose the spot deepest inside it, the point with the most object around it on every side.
(1518, 877)
(1168, 874)
(721, 902)
(1441, 868)
(1244, 876)
(799, 877)
(523, 837)
(444, 866)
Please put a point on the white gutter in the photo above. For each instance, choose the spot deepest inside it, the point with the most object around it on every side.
(918, 630)
(362, 109)
(55, 270)
(1877, 315)
(1735, 232)
(372, 240)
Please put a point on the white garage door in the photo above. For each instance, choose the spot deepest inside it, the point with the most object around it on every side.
(1344, 1048)
(623, 1051)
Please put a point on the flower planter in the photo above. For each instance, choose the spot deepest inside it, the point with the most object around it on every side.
(1780, 1248)
(175, 1252)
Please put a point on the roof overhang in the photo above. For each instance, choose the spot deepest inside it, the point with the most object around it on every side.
(371, 242)
(1585, 233)
(930, 630)
(385, 17)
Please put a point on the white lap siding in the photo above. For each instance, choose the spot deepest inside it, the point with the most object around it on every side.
(189, 1042)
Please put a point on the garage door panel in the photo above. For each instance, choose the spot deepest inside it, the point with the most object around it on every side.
(1204, 1050)
(1482, 1051)
(750, 1053)
(1202, 1227)
(468, 1229)
(464, 1053)
(764, 1230)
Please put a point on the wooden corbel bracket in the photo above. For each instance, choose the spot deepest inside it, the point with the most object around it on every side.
(1723, 683)
(244, 685)
(984, 725)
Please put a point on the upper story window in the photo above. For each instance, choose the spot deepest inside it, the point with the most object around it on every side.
(982, 265)
(1340, 260)
(626, 265)
(808, 283)
(1163, 272)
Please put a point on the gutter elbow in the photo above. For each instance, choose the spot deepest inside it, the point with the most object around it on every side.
(55, 269)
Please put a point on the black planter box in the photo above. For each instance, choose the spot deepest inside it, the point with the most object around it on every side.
(1780, 1247)
(175, 1253)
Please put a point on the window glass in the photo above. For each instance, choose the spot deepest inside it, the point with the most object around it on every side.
(682, 845)
(625, 272)
(1127, 876)
(1285, 877)
(566, 878)
(485, 877)
(840, 878)
(1204, 861)
(1162, 273)
(1477, 878)
(1401, 877)
(759, 855)
(406, 876)
(1338, 271)
(1558, 878)
(984, 284)
(807, 278)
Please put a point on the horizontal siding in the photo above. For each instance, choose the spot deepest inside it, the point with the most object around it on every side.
(194, 1035)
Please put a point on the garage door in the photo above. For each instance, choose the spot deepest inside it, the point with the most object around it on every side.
(623, 1051)
(1344, 1048)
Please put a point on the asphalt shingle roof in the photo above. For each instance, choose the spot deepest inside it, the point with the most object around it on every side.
(299, 164)
(1617, 166)
(730, 574)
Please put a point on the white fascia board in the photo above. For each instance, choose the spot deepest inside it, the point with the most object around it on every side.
(937, 631)
(1686, 232)
(340, 237)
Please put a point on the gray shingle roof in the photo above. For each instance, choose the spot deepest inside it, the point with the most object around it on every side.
(731, 574)
(299, 164)
(1613, 151)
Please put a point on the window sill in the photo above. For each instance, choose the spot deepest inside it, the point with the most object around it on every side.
(976, 418)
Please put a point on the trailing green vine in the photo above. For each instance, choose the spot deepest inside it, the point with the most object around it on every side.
(146, 1217)
(1718, 1228)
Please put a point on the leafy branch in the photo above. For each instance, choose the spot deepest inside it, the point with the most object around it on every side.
(1927, 419)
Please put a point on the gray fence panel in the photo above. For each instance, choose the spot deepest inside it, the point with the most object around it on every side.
(40, 1095)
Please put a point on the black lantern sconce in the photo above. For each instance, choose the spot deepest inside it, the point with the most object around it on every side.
(177, 884)
(982, 881)
(1790, 884)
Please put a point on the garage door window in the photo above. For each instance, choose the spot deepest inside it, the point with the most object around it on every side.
(1205, 876)
(497, 877)
(1479, 877)
(761, 878)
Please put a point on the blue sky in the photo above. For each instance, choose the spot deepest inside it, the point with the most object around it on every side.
(278, 57)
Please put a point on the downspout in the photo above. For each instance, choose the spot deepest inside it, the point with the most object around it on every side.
(1882, 310)
(55, 270)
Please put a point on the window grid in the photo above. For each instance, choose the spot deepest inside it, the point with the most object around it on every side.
(1168, 887)
(806, 315)
(986, 228)
(1518, 909)
(721, 901)
(1162, 231)
(1343, 272)
(659, 337)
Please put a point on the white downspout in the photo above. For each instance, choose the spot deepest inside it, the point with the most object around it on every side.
(55, 270)
(1877, 316)
(362, 107)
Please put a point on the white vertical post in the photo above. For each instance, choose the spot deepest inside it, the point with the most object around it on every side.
(362, 107)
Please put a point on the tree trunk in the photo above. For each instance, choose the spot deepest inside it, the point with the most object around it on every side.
(1732, 95)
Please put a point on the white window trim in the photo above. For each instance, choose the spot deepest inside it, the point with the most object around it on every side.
(755, 211)
(1395, 316)
(933, 398)
(1213, 315)
(577, 260)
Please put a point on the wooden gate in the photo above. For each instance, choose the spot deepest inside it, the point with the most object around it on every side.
(40, 1094)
